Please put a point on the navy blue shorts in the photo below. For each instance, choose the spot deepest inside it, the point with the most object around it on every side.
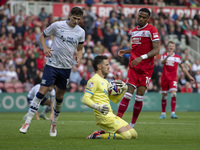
(56, 76)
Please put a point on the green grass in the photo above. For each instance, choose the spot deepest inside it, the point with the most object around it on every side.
(154, 134)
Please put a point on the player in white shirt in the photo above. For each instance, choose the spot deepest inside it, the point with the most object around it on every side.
(48, 100)
(68, 36)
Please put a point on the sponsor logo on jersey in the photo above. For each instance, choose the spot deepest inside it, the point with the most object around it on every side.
(155, 35)
(170, 63)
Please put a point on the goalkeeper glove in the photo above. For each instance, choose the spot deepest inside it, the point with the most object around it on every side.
(121, 84)
(103, 108)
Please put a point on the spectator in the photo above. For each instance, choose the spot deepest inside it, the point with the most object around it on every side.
(19, 40)
(10, 27)
(11, 75)
(187, 88)
(98, 48)
(20, 28)
(3, 73)
(88, 54)
(195, 66)
(181, 81)
(74, 79)
(19, 16)
(90, 68)
(43, 14)
(89, 19)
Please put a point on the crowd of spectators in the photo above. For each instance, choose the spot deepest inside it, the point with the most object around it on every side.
(22, 59)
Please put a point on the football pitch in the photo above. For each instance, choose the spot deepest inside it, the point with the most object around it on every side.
(154, 134)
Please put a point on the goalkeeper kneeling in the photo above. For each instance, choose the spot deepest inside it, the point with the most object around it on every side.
(96, 97)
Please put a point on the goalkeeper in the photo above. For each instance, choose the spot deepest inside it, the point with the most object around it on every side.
(96, 97)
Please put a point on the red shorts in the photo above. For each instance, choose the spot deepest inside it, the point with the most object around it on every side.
(168, 85)
(138, 77)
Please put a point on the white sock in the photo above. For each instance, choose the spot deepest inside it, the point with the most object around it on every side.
(132, 125)
(56, 113)
(163, 113)
(32, 110)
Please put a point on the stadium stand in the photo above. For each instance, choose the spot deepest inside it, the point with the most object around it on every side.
(20, 27)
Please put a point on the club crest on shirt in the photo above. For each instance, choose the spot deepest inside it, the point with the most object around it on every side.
(90, 85)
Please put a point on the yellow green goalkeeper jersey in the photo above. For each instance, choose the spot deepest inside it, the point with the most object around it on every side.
(97, 90)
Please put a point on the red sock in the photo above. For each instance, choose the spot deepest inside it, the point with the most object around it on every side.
(123, 106)
(164, 105)
(173, 104)
(136, 111)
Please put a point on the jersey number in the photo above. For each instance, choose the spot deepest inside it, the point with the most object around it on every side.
(174, 83)
(148, 80)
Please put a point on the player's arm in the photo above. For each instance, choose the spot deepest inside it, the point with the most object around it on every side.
(79, 53)
(164, 60)
(155, 51)
(103, 108)
(126, 51)
(46, 50)
(186, 72)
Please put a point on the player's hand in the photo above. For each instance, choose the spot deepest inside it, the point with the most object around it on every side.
(192, 79)
(47, 52)
(77, 62)
(121, 84)
(103, 108)
(121, 53)
(136, 61)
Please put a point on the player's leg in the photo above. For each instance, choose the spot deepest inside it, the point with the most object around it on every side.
(62, 81)
(29, 100)
(33, 108)
(125, 101)
(117, 128)
(131, 82)
(122, 133)
(138, 104)
(172, 90)
(165, 88)
(173, 104)
(47, 80)
(37, 115)
(44, 102)
(163, 105)
(57, 109)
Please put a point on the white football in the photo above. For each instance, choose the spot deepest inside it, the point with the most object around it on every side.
(113, 89)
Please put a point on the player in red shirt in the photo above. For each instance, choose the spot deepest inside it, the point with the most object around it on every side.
(145, 45)
(169, 78)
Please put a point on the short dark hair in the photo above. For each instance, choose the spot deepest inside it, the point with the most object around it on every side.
(98, 60)
(171, 42)
(145, 10)
(77, 11)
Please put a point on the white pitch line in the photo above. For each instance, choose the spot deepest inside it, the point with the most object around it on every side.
(137, 122)
(81, 121)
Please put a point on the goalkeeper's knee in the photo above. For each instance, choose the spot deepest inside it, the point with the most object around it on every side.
(126, 135)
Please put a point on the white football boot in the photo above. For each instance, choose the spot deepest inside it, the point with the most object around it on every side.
(24, 128)
(53, 131)
(43, 116)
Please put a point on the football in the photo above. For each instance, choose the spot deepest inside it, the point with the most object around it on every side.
(114, 88)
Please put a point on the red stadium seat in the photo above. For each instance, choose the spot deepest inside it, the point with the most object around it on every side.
(1, 87)
(19, 87)
(9, 87)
